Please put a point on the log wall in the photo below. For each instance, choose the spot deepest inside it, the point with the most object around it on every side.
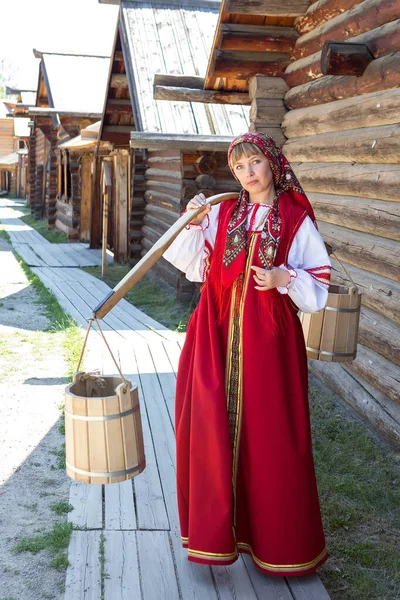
(38, 174)
(137, 204)
(68, 202)
(172, 178)
(343, 143)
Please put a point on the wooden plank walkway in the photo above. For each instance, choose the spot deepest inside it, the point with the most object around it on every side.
(36, 251)
(136, 522)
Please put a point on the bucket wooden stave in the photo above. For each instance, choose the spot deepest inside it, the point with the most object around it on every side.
(331, 334)
(103, 430)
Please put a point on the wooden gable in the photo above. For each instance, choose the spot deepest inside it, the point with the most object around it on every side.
(252, 37)
(118, 117)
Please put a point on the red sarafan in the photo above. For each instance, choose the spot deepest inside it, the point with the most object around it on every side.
(245, 472)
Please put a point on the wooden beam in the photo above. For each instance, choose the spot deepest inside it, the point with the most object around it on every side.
(378, 411)
(364, 250)
(256, 38)
(181, 94)
(345, 58)
(242, 65)
(365, 145)
(380, 182)
(322, 11)
(119, 81)
(184, 142)
(378, 371)
(382, 74)
(118, 139)
(49, 112)
(274, 31)
(267, 8)
(185, 81)
(267, 111)
(118, 129)
(267, 87)
(214, 4)
(119, 102)
(370, 110)
(363, 17)
(379, 293)
(380, 41)
(378, 217)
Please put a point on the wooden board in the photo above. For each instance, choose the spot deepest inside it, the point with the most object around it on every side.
(83, 574)
(87, 501)
(121, 565)
(157, 573)
(119, 509)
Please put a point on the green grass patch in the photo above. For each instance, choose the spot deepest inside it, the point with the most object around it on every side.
(60, 454)
(54, 541)
(155, 299)
(61, 508)
(4, 234)
(59, 320)
(54, 235)
(359, 489)
(60, 562)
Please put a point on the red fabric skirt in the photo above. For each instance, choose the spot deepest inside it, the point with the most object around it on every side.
(245, 473)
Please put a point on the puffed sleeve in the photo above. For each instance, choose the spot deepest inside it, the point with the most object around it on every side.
(191, 249)
(310, 269)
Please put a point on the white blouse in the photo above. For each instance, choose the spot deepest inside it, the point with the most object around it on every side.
(308, 261)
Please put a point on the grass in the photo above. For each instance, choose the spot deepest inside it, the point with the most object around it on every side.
(359, 488)
(61, 508)
(3, 233)
(60, 454)
(59, 321)
(102, 561)
(54, 541)
(156, 300)
(55, 236)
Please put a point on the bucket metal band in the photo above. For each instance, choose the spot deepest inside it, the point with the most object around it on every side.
(326, 353)
(342, 310)
(103, 417)
(109, 474)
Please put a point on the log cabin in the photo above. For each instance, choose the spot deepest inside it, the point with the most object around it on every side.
(14, 136)
(152, 187)
(70, 96)
(323, 79)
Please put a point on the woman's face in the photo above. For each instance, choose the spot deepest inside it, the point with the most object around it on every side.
(254, 174)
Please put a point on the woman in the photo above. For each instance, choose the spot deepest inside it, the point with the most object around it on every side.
(245, 473)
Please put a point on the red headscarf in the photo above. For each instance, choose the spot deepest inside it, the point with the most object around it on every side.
(284, 181)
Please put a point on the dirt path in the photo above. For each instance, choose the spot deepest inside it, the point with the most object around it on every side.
(32, 380)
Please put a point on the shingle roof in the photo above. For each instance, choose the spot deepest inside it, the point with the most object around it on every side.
(175, 39)
(9, 160)
(77, 83)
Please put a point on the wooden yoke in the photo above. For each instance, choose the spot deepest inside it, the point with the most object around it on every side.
(152, 256)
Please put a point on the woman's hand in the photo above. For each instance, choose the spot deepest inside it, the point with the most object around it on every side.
(267, 280)
(194, 203)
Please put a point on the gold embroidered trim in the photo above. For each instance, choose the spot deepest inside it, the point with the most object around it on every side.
(297, 567)
(213, 555)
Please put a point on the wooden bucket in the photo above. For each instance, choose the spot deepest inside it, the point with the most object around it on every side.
(103, 430)
(331, 334)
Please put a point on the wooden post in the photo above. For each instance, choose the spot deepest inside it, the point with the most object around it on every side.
(84, 230)
(121, 206)
(106, 190)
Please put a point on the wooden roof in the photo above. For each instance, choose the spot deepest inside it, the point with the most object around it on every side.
(252, 37)
(9, 161)
(164, 38)
(71, 82)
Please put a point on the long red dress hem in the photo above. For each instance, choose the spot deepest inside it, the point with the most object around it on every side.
(275, 570)
(245, 474)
